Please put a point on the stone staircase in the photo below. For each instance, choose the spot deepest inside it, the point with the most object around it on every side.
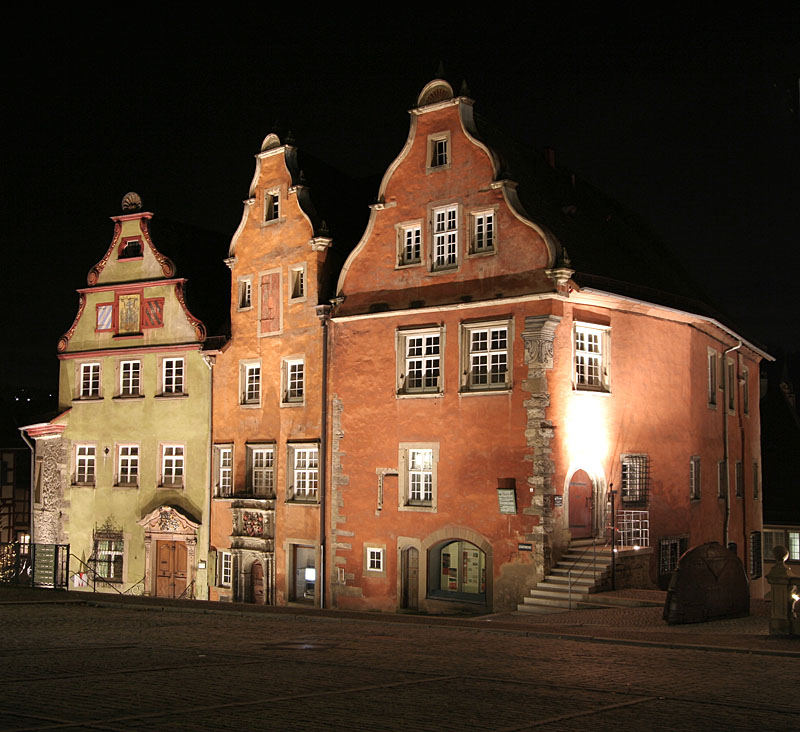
(589, 568)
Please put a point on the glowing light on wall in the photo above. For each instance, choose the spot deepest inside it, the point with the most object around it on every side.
(587, 433)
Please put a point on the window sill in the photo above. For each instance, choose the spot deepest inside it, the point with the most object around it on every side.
(406, 265)
(482, 253)
(125, 336)
(83, 485)
(300, 403)
(127, 397)
(601, 391)
(445, 269)
(172, 395)
(244, 309)
(434, 168)
(418, 395)
(126, 486)
(484, 392)
(421, 507)
(270, 222)
(303, 501)
(87, 399)
(170, 486)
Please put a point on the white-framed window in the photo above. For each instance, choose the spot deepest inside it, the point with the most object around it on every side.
(130, 378)
(485, 356)
(590, 345)
(172, 465)
(438, 151)
(172, 375)
(409, 244)
(419, 361)
(712, 378)
(293, 380)
(738, 478)
(635, 479)
(374, 559)
(272, 206)
(303, 473)
(297, 283)
(109, 555)
(89, 380)
(223, 457)
(245, 296)
(722, 478)
(483, 232)
(694, 477)
(418, 476)
(261, 469)
(127, 465)
(250, 382)
(445, 237)
(225, 568)
(671, 548)
(793, 545)
(85, 457)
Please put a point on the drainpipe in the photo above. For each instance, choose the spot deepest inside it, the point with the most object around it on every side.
(323, 313)
(32, 448)
(209, 361)
(725, 455)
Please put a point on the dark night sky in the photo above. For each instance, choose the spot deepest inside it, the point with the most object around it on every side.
(690, 121)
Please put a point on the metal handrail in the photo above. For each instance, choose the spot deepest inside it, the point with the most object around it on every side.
(96, 576)
(593, 547)
(188, 587)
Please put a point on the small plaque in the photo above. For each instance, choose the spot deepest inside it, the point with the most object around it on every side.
(507, 499)
(558, 500)
(525, 547)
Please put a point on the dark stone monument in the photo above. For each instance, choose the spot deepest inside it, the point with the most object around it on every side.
(709, 583)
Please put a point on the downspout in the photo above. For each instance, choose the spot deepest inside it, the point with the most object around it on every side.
(323, 313)
(725, 455)
(32, 448)
(209, 361)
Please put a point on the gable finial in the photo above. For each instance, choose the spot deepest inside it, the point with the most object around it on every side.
(131, 202)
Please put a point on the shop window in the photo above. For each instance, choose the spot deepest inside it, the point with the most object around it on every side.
(457, 571)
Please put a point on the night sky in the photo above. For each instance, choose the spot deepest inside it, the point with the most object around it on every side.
(690, 121)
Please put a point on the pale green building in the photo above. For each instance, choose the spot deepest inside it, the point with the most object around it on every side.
(122, 473)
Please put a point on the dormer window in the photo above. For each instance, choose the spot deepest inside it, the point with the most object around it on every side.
(438, 151)
(272, 211)
(131, 248)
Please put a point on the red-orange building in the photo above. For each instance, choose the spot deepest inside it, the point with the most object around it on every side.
(267, 530)
(489, 395)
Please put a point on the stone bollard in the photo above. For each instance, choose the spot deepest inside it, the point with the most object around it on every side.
(783, 618)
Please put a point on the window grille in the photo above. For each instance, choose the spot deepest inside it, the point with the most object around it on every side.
(635, 479)
(755, 554)
(633, 529)
(671, 548)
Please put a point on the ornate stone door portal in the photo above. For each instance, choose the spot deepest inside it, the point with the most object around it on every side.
(170, 546)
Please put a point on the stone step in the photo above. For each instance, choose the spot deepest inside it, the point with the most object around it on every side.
(564, 581)
(540, 609)
(558, 595)
(549, 601)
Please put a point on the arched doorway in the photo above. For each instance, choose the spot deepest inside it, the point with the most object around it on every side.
(581, 505)
(410, 578)
(457, 570)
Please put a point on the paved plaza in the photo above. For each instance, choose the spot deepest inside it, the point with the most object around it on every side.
(69, 663)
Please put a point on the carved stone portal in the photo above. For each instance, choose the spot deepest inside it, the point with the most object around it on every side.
(168, 524)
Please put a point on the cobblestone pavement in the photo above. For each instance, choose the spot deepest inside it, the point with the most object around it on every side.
(142, 664)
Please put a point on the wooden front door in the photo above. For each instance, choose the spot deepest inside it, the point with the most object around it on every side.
(257, 584)
(171, 569)
(580, 505)
(410, 578)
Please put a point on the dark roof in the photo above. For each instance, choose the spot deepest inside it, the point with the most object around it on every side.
(609, 247)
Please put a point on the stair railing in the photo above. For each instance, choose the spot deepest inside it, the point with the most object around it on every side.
(97, 577)
(593, 547)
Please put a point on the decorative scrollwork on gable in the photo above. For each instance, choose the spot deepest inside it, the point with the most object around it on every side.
(94, 272)
(167, 266)
(199, 328)
(63, 342)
